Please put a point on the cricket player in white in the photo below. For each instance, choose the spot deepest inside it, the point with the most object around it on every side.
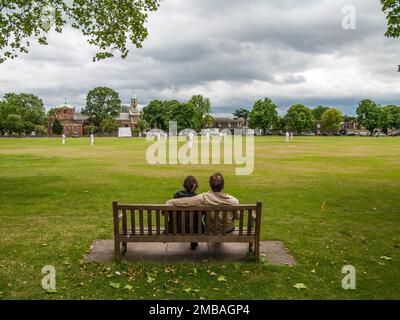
(63, 138)
(91, 139)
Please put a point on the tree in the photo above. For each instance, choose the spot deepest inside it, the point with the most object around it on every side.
(331, 120)
(109, 125)
(242, 113)
(318, 112)
(299, 118)
(347, 118)
(202, 108)
(28, 106)
(110, 25)
(390, 118)
(142, 125)
(156, 115)
(101, 102)
(369, 115)
(264, 115)
(184, 114)
(14, 123)
(57, 127)
(392, 10)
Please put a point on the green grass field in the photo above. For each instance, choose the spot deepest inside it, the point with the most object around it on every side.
(55, 201)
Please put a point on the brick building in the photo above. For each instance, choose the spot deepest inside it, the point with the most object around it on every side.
(74, 123)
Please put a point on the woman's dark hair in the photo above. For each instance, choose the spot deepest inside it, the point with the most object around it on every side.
(190, 184)
(217, 182)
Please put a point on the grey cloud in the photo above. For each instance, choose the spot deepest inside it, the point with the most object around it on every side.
(232, 51)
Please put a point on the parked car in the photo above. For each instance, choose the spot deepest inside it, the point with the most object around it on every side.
(395, 134)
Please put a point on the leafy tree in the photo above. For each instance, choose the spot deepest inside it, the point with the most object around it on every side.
(156, 115)
(108, 24)
(109, 125)
(390, 118)
(142, 125)
(392, 10)
(101, 102)
(369, 115)
(57, 127)
(264, 115)
(241, 113)
(299, 118)
(90, 128)
(28, 106)
(208, 121)
(331, 120)
(14, 123)
(347, 118)
(184, 114)
(202, 108)
(318, 112)
(40, 130)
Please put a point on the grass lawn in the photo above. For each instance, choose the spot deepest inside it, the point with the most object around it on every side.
(55, 201)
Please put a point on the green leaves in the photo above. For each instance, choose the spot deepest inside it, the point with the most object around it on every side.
(392, 10)
(264, 115)
(221, 279)
(109, 25)
(150, 278)
(115, 285)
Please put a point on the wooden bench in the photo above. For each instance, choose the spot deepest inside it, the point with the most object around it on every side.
(150, 223)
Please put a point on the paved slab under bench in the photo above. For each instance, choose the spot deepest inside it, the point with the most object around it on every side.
(274, 251)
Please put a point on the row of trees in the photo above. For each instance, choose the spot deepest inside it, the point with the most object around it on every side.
(301, 118)
(22, 114)
(193, 114)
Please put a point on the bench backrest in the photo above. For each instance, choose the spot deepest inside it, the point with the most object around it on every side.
(161, 220)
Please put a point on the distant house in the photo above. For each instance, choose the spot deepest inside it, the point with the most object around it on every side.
(228, 123)
(75, 123)
(351, 127)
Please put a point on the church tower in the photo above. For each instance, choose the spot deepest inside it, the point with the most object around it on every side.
(134, 104)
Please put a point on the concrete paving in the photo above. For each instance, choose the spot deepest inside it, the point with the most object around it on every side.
(274, 251)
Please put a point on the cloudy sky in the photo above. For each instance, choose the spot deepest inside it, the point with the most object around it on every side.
(232, 51)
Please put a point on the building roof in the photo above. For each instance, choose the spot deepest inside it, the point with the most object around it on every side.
(227, 120)
(65, 106)
(124, 116)
(80, 116)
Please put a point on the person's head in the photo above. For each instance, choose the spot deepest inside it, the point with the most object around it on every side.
(217, 182)
(190, 184)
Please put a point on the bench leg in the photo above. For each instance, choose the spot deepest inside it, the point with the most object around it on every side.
(117, 249)
(124, 247)
(250, 246)
(257, 251)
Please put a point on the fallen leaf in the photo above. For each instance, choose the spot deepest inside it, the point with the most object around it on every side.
(187, 290)
(221, 279)
(300, 286)
(115, 285)
(150, 279)
(386, 258)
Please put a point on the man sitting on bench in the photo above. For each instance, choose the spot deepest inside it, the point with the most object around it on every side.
(215, 197)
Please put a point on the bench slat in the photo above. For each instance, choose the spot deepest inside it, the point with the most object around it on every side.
(197, 208)
(241, 217)
(191, 217)
(133, 221)
(149, 222)
(141, 223)
(158, 221)
(174, 223)
(124, 222)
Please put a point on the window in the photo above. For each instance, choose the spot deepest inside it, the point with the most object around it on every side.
(76, 130)
(66, 129)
